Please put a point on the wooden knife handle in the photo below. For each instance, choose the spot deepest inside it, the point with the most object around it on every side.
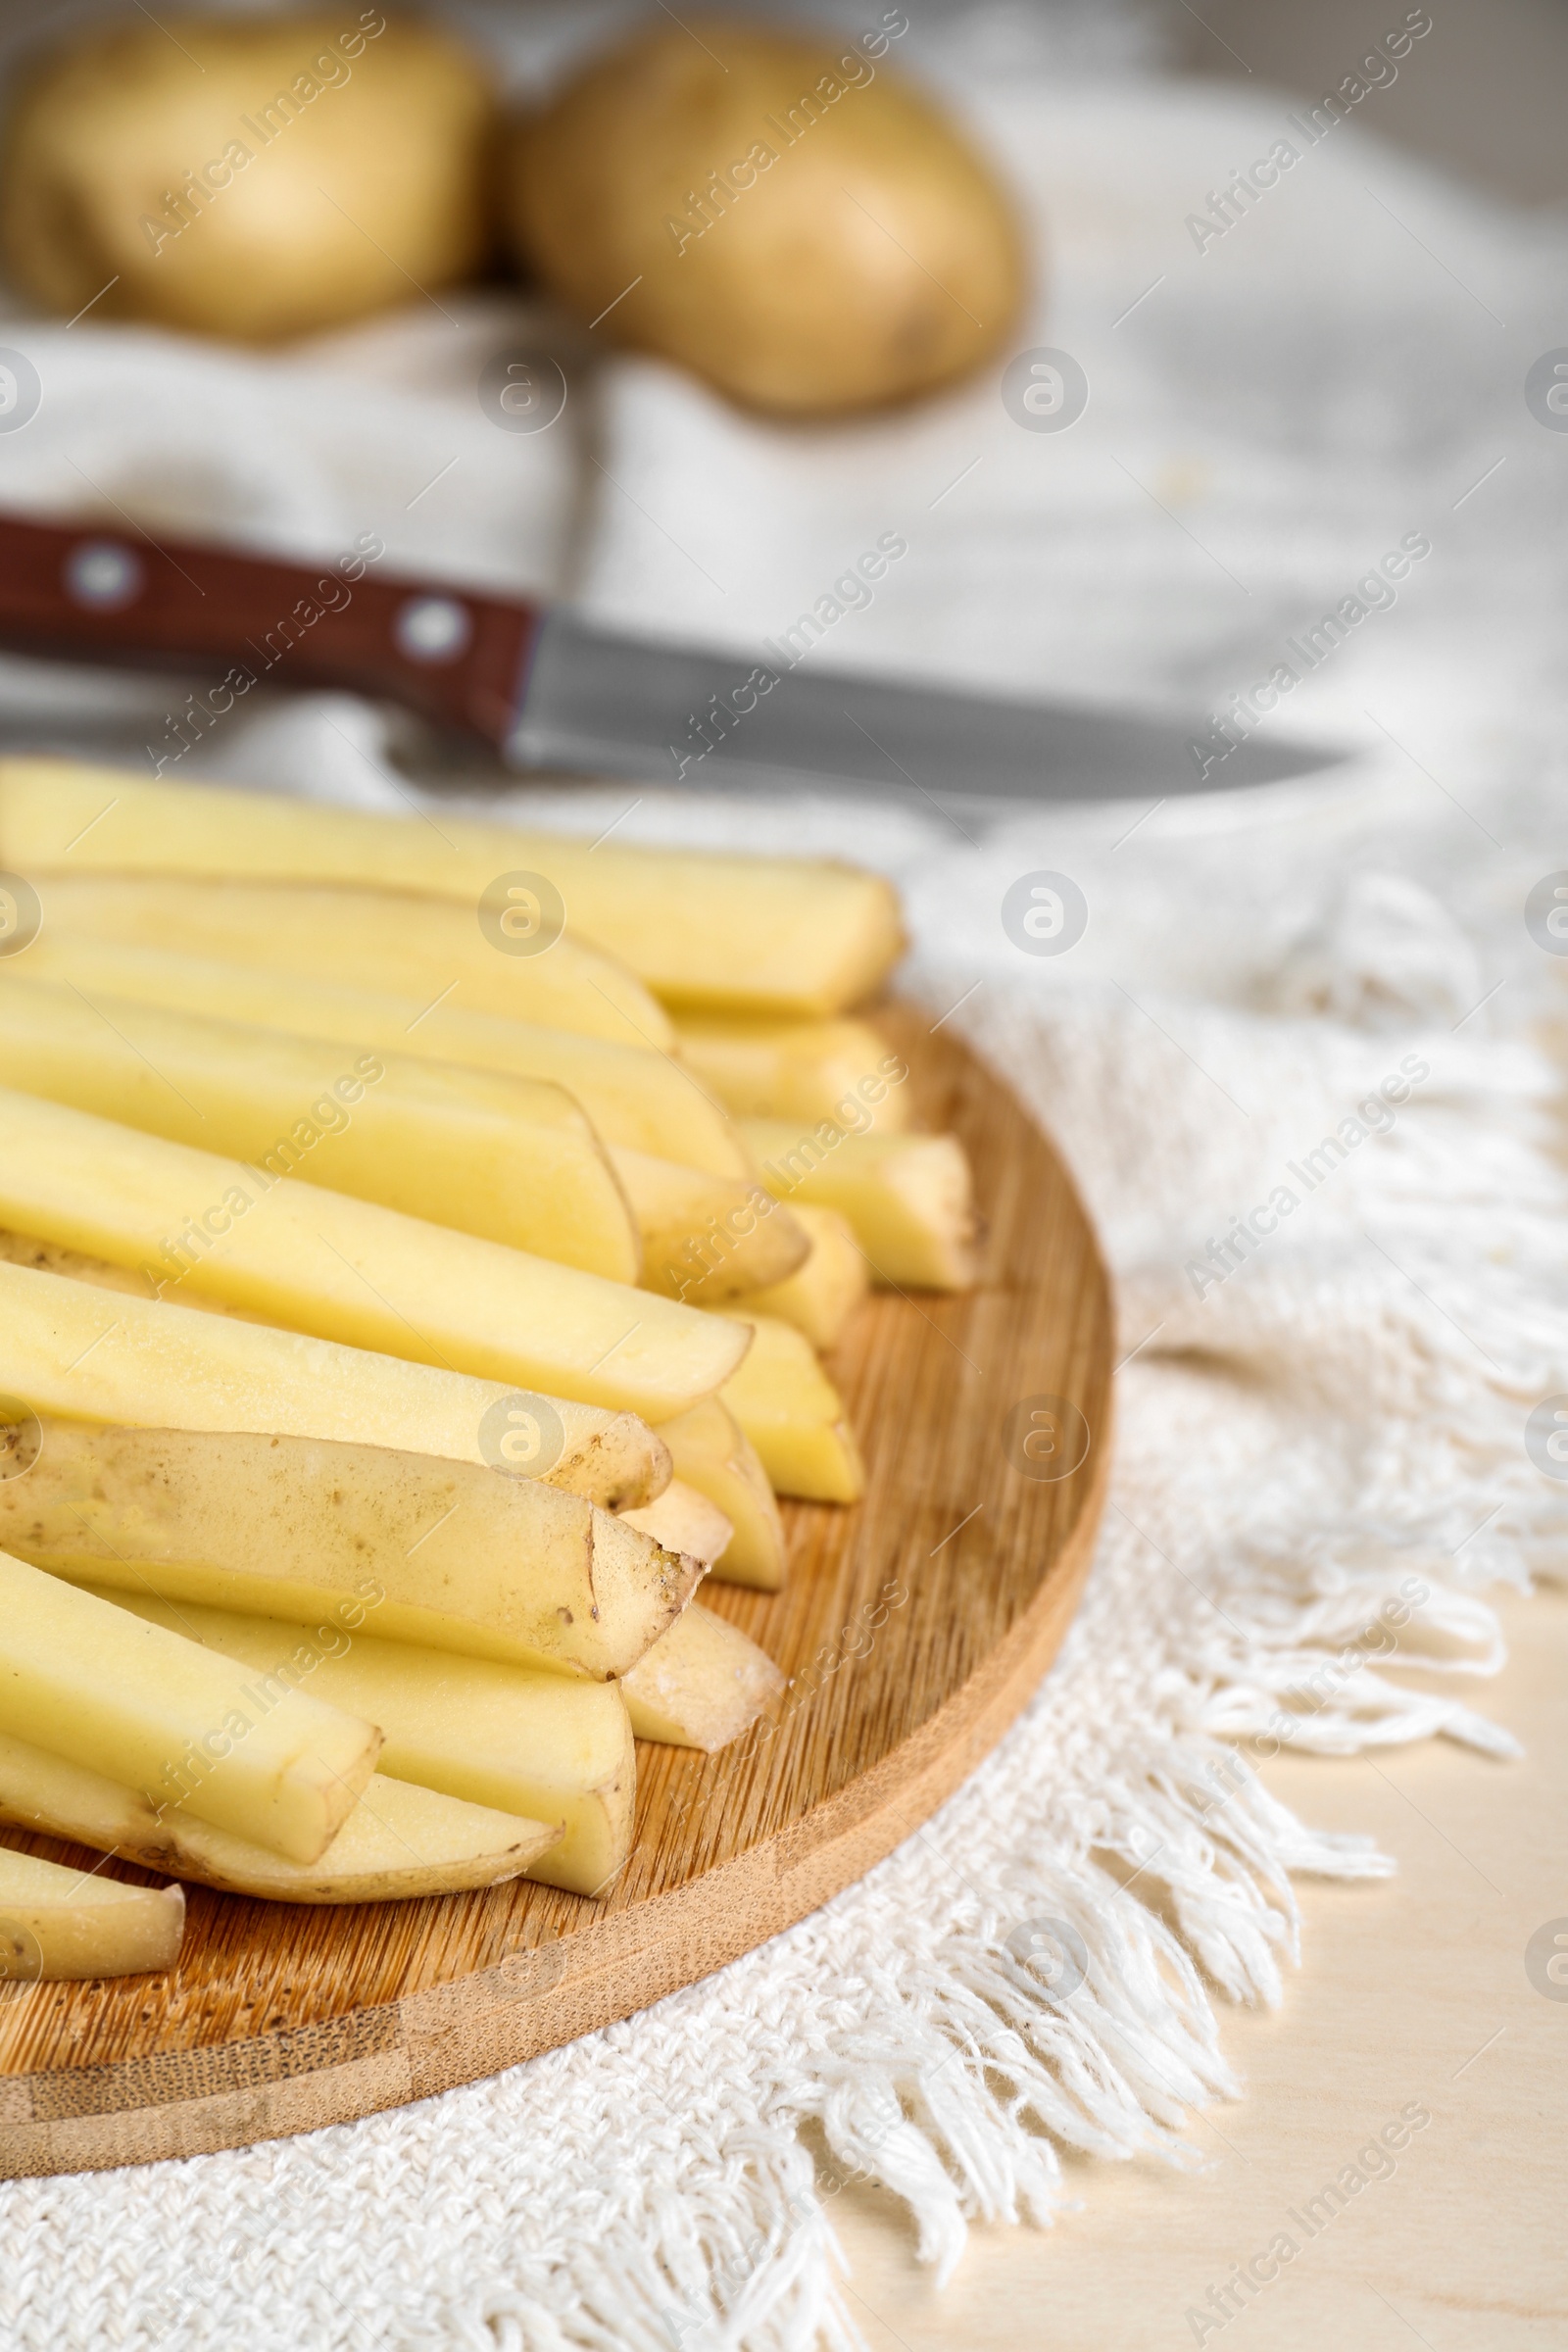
(85, 594)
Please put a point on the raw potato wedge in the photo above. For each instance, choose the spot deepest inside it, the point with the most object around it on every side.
(684, 1522)
(528, 1745)
(400, 1840)
(707, 1238)
(774, 936)
(58, 1925)
(89, 1352)
(426, 948)
(350, 1270)
(793, 1415)
(798, 1070)
(820, 1297)
(910, 1197)
(90, 1683)
(647, 1101)
(701, 1685)
(508, 1158)
(443, 1555)
(713, 1454)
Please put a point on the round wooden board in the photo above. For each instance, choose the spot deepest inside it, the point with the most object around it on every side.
(915, 1625)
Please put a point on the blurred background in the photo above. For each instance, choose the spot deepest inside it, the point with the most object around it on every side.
(1488, 103)
(1274, 400)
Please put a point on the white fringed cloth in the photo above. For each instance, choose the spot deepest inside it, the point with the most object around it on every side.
(1299, 1064)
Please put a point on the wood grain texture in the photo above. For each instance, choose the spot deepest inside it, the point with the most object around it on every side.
(915, 1626)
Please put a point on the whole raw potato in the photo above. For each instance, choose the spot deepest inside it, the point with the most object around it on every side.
(246, 177)
(783, 216)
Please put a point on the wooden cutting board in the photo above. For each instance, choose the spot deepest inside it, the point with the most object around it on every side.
(915, 1625)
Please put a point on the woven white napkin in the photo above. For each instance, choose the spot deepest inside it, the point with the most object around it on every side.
(1323, 1457)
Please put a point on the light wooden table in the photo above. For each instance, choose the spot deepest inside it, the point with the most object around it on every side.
(1412, 1990)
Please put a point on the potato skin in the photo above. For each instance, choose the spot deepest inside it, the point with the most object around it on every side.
(186, 161)
(850, 251)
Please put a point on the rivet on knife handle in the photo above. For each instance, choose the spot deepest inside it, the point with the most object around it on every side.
(456, 657)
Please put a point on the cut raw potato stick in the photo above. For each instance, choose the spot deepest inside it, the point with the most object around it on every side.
(83, 1352)
(350, 1270)
(428, 948)
(822, 1294)
(521, 1744)
(793, 1415)
(155, 1711)
(683, 1521)
(800, 1070)
(444, 1554)
(647, 1100)
(508, 1158)
(701, 1685)
(707, 1238)
(713, 1454)
(910, 1197)
(58, 1925)
(794, 311)
(769, 934)
(50, 1257)
(399, 1841)
(773, 936)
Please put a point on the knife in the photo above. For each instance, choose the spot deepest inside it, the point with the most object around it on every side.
(546, 691)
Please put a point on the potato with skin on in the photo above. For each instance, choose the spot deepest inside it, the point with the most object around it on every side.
(793, 1415)
(319, 1262)
(706, 1238)
(701, 1685)
(57, 1926)
(212, 173)
(400, 1840)
(798, 223)
(86, 1347)
(88, 1682)
(910, 1197)
(774, 936)
(805, 1070)
(713, 1454)
(444, 1555)
(522, 1743)
(823, 1293)
(425, 946)
(511, 1159)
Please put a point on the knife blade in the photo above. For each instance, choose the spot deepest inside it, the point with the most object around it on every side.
(545, 689)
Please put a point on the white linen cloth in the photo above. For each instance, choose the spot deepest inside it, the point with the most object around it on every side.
(1334, 1430)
